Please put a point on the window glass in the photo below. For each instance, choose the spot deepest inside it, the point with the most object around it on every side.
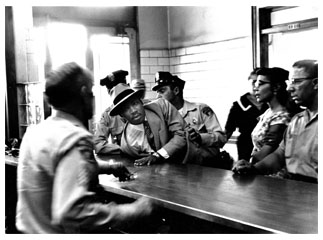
(285, 48)
(109, 54)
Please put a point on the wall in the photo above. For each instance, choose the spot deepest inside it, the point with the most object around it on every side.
(153, 44)
(152, 28)
(207, 49)
(191, 26)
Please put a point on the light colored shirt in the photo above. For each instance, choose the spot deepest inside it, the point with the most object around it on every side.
(108, 133)
(137, 140)
(58, 180)
(300, 145)
(202, 118)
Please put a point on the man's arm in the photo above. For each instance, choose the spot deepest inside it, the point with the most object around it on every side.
(101, 137)
(176, 125)
(118, 169)
(272, 162)
(214, 135)
(74, 204)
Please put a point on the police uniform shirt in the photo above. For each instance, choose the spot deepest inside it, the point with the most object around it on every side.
(202, 118)
(108, 127)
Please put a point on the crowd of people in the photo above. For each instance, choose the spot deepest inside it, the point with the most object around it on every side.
(58, 188)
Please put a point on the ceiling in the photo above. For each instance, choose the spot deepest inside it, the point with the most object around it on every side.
(95, 16)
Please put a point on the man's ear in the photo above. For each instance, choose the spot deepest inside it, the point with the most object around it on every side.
(176, 90)
(83, 89)
(83, 94)
(315, 82)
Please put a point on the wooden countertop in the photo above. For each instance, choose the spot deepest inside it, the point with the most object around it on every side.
(256, 204)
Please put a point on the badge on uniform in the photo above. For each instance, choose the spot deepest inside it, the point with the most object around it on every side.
(207, 111)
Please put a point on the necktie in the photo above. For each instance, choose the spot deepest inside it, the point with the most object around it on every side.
(150, 136)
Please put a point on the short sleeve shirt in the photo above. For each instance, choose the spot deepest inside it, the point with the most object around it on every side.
(300, 145)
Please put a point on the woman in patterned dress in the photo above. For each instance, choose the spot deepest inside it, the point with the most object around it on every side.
(270, 88)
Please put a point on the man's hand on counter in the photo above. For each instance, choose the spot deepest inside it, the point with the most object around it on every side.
(118, 169)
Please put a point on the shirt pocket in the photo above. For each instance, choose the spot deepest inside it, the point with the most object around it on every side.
(290, 144)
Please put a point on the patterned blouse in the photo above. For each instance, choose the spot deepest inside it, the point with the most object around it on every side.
(267, 119)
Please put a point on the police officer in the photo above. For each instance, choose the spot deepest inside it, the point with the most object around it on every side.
(108, 125)
(204, 132)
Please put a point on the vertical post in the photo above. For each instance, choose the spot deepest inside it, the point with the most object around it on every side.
(255, 36)
(264, 22)
(12, 124)
(29, 100)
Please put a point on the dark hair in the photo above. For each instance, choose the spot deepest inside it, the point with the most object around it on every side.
(64, 84)
(277, 77)
(254, 71)
(181, 90)
(310, 66)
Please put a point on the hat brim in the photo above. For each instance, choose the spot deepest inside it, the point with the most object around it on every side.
(157, 86)
(115, 110)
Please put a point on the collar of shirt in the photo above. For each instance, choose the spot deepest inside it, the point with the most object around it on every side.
(188, 107)
(137, 138)
(60, 114)
(307, 116)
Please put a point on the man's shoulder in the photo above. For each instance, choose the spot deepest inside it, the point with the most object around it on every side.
(66, 127)
(203, 108)
(57, 133)
(107, 110)
(156, 103)
(301, 114)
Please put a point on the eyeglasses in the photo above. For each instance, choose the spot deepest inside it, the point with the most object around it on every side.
(296, 81)
(260, 83)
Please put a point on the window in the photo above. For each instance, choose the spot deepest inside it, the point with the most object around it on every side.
(69, 42)
(287, 34)
(285, 48)
(109, 54)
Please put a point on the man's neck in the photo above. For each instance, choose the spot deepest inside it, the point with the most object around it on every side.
(178, 103)
(313, 109)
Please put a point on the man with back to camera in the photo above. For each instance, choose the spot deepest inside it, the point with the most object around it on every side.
(154, 132)
(110, 126)
(203, 128)
(58, 188)
(298, 150)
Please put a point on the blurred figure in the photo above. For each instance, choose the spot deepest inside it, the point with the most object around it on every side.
(298, 151)
(139, 85)
(58, 187)
(154, 132)
(110, 127)
(270, 88)
(204, 132)
(244, 115)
